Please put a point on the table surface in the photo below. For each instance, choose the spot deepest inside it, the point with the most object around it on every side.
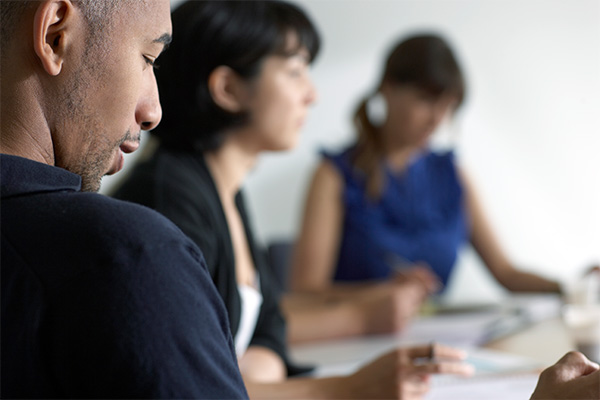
(507, 367)
(542, 342)
(545, 341)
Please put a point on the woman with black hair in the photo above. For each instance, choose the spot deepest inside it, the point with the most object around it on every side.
(388, 209)
(234, 83)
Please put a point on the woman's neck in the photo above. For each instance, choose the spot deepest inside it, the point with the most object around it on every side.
(229, 166)
(396, 155)
(398, 160)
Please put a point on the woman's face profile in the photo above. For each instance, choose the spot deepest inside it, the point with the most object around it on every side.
(415, 114)
(278, 101)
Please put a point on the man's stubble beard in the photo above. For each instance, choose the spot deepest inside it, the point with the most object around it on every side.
(98, 152)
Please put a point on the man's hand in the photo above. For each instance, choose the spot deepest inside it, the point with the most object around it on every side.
(572, 377)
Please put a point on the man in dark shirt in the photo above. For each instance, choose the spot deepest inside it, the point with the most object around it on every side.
(100, 298)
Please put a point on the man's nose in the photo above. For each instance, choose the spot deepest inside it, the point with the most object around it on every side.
(149, 112)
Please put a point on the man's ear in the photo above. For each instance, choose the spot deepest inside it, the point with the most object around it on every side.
(52, 33)
(227, 89)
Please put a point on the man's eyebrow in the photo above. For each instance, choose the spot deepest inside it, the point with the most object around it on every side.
(165, 39)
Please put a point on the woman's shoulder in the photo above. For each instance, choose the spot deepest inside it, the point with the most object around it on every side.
(338, 161)
(337, 155)
(446, 157)
(442, 169)
(439, 161)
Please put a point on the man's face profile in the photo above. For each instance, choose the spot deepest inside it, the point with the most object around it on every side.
(111, 95)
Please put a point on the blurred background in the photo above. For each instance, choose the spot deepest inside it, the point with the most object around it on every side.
(528, 133)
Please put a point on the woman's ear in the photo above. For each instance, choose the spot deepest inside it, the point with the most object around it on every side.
(227, 89)
(53, 31)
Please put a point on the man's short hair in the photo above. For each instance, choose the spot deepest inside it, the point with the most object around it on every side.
(97, 13)
(10, 12)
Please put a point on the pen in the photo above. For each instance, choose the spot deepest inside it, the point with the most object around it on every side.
(398, 263)
(406, 269)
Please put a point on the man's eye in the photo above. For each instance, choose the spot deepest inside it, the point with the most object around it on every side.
(151, 62)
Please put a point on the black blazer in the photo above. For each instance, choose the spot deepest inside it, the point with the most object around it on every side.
(178, 184)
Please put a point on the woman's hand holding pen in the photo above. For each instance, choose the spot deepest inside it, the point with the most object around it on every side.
(389, 306)
(405, 271)
(419, 273)
(405, 373)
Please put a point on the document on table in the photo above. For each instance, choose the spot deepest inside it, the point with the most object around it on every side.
(458, 329)
(503, 386)
(491, 387)
(467, 330)
(479, 327)
(487, 364)
(498, 376)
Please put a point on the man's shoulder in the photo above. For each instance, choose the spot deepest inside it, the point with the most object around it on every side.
(91, 237)
(91, 225)
(123, 277)
(132, 228)
(113, 219)
(124, 215)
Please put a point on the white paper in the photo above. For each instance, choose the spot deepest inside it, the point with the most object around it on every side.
(488, 387)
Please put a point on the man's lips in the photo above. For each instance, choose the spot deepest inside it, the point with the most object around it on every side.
(129, 146)
(117, 163)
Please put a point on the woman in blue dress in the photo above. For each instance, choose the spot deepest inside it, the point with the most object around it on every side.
(388, 203)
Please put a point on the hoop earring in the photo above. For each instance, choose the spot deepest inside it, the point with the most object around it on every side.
(377, 109)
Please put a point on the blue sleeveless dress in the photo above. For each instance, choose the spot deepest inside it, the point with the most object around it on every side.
(420, 217)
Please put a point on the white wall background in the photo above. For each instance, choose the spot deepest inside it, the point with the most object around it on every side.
(529, 133)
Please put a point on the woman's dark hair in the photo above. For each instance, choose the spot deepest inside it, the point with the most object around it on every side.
(209, 34)
(423, 61)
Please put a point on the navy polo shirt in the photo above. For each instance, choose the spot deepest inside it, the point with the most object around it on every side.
(103, 298)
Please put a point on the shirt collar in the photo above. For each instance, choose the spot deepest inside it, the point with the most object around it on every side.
(21, 176)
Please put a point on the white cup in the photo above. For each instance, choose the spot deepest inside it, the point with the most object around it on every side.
(583, 324)
(584, 291)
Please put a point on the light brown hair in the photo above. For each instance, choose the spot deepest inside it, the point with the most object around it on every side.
(423, 61)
